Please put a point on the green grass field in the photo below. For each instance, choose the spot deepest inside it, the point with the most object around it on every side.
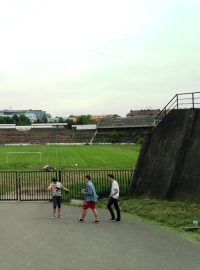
(66, 157)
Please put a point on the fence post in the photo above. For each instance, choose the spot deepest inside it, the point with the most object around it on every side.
(177, 101)
(193, 100)
(58, 175)
(18, 186)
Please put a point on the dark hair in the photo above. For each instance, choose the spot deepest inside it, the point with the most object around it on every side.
(87, 177)
(54, 179)
(110, 175)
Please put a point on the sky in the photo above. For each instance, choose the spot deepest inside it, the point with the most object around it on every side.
(97, 57)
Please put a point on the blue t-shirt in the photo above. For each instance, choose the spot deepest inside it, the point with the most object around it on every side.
(90, 192)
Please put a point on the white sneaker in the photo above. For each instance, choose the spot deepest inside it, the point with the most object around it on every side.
(53, 217)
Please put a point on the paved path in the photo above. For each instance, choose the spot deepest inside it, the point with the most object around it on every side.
(30, 239)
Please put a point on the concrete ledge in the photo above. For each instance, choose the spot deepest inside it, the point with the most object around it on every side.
(191, 228)
(76, 202)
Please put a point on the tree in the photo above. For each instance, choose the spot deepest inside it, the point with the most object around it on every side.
(69, 122)
(23, 120)
(60, 120)
(85, 120)
(114, 137)
(2, 120)
(44, 118)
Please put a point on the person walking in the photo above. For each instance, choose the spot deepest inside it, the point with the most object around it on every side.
(56, 187)
(90, 200)
(113, 198)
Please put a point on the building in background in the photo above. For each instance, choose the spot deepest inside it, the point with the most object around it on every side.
(97, 118)
(33, 115)
(148, 112)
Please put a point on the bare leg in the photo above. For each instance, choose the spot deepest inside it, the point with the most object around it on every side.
(95, 214)
(59, 212)
(83, 214)
(54, 212)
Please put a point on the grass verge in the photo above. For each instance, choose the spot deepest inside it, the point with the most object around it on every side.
(171, 214)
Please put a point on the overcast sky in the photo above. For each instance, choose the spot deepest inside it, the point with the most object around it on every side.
(97, 56)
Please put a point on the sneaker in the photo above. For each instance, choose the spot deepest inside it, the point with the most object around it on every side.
(80, 220)
(112, 219)
(97, 221)
(117, 220)
(53, 217)
(60, 217)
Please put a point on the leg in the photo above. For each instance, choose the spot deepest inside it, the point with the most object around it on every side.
(110, 208)
(95, 214)
(83, 214)
(54, 206)
(59, 205)
(58, 212)
(117, 209)
(84, 210)
(54, 212)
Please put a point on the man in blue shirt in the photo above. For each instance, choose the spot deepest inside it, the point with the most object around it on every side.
(90, 199)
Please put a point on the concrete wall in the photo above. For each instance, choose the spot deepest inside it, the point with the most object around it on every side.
(169, 163)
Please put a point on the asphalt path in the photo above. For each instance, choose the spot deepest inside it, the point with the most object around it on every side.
(30, 239)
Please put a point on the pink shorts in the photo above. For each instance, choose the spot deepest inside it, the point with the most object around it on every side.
(89, 204)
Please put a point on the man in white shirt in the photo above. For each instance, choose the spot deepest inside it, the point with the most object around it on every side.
(113, 198)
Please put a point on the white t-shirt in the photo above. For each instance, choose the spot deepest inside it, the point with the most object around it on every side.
(115, 186)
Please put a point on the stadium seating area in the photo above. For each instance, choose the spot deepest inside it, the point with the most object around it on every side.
(43, 136)
(124, 129)
(120, 135)
(136, 121)
(109, 130)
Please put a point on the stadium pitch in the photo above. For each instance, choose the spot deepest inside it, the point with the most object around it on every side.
(68, 157)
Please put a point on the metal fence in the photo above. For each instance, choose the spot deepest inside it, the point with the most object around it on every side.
(8, 186)
(32, 185)
(179, 101)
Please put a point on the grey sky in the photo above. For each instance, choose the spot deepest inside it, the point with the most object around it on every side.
(97, 57)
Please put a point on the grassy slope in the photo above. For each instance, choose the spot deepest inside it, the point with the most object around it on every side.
(86, 156)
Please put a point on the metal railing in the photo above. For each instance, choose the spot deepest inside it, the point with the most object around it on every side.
(179, 101)
(32, 185)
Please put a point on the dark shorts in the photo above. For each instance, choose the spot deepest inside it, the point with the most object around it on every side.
(89, 204)
(56, 201)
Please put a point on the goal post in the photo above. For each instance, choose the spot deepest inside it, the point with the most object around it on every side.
(8, 154)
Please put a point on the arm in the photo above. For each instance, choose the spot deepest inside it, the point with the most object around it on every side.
(49, 188)
(87, 191)
(115, 191)
(65, 189)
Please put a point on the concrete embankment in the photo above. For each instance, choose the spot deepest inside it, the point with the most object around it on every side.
(168, 166)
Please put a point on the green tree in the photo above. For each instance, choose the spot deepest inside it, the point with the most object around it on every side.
(60, 120)
(8, 120)
(44, 118)
(15, 120)
(69, 122)
(23, 120)
(85, 120)
(2, 120)
(114, 137)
